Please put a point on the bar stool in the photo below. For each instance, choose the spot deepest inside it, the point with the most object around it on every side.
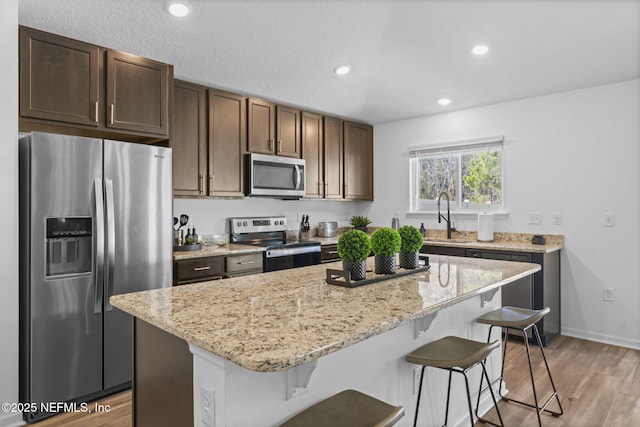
(349, 408)
(454, 354)
(521, 319)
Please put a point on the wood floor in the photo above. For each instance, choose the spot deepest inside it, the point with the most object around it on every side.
(599, 386)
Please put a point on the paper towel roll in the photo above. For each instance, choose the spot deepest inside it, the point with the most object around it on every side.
(485, 227)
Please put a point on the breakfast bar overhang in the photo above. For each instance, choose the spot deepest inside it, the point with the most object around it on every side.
(266, 346)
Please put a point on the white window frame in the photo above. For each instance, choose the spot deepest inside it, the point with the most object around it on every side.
(458, 148)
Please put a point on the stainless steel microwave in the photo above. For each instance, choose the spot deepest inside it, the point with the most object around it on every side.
(274, 176)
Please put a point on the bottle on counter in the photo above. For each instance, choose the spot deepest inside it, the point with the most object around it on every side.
(194, 235)
(423, 230)
(188, 239)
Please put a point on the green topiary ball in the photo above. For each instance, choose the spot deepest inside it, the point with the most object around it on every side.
(385, 242)
(412, 239)
(354, 245)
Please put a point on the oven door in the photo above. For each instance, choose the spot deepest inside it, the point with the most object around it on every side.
(275, 176)
(282, 259)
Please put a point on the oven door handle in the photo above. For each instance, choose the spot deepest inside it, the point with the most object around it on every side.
(276, 253)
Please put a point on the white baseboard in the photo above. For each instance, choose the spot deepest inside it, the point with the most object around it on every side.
(603, 338)
(11, 420)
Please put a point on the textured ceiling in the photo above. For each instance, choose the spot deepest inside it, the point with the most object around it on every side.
(404, 54)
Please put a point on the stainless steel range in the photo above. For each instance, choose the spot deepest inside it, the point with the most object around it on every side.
(271, 232)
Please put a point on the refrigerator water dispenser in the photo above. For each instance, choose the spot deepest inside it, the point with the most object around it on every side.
(68, 245)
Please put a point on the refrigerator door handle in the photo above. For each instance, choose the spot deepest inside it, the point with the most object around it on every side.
(111, 243)
(99, 277)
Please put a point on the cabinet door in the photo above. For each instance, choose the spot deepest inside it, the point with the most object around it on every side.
(227, 138)
(312, 154)
(137, 93)
(261, 126)
(188, 139)
(358, 161)
(59, 78)
(287, 131)
(333, 158)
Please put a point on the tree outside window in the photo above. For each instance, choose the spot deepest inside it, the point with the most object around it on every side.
(471, 174)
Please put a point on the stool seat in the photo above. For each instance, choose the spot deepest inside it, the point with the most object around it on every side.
(451, 352)
(349, 408)
(513, 317)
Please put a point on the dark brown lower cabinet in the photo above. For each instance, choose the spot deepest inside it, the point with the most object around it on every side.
(162, 378)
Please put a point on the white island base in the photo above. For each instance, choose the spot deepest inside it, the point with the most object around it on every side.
(376, 366)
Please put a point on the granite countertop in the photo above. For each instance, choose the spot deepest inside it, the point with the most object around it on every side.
(278, 320)
(513, 242)
(214, 250)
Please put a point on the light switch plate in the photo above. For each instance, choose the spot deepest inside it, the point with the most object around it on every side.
(535, 218)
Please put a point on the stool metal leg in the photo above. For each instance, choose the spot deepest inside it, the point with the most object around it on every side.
(446, 414)
(539, 409)
(415, 419)
(553, 386)
(493, 397)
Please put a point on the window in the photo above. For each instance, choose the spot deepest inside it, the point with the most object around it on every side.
(471, 172)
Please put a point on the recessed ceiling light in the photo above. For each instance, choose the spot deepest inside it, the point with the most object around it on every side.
(342, 70)
(444, 101)
(480, 50)
(179, 8)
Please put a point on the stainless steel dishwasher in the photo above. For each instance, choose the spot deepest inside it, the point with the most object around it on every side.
(542, 289)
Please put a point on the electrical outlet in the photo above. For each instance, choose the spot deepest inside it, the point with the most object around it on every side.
(416, 379)
(535, 218)
(206, 406)
(557, 218)
(607, 219)
(607, 294)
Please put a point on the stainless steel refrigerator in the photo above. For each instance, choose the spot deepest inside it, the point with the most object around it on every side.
(95, 221)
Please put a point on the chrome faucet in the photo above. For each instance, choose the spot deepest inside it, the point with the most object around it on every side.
(448, 218)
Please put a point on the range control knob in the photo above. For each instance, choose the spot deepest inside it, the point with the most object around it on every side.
(238, 223)
(244, 223)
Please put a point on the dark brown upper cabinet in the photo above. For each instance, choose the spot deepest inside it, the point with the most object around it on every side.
(272, 129)
(261, 116)
(68, 86)
(333, 158)
(59, 78)
(207, 153)
(312, 153)
(227, 139)
(287, 131)
(137, 93)
(358, 161)
(189, 139)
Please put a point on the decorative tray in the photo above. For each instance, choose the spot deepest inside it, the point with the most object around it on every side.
(193, 247)
(343, 278)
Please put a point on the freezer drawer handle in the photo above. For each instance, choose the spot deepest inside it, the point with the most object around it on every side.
(202, 268)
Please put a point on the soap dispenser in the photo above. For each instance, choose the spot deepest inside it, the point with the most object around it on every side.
(423, 230)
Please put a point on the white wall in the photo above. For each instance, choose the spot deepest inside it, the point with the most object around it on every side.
(574, 152)
(9, 211)
(210, 215)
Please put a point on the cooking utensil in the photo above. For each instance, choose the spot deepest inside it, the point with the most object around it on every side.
(175, 221)
(184, 220)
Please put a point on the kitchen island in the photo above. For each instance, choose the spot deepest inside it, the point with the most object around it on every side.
(266, 346)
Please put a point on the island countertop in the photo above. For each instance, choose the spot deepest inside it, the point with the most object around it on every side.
(278, 320)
